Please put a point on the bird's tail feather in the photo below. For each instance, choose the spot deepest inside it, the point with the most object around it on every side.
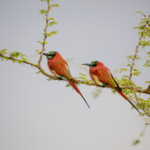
(76, 88)
(124, 96)
(128, 100)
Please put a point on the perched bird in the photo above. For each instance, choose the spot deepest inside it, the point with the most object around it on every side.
(59, 67)
(102, 75)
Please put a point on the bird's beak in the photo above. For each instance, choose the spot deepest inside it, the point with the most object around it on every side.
(43, 53)
(87, 64)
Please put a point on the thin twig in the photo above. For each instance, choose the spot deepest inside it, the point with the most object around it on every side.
(45, 30)
(144, 15)
(141, 134)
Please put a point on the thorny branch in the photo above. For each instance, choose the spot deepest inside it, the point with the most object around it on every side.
(78, 81)
(43, 45)
(136, 51)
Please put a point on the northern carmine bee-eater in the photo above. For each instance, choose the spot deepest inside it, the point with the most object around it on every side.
(59, 67)
(102, 75)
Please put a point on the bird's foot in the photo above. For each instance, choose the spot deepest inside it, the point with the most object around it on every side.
(74, 81)
(104, 85)
(61, 78)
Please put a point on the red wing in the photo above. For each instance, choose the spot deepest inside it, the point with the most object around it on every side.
(104, 76)
(60, 67)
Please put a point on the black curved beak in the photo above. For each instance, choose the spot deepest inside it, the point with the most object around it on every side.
(43, 54)
(87, 64)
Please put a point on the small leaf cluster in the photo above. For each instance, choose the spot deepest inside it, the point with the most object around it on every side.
(3, 51)
(42, 42)
(136, 72)
(50, 18)
(144, 25)
(145, 43)
(43, 11)
(52, 23)
(55, 5)
(144, 104)
(51, 33)
(147, 64)
(13, 55)
(84, 78)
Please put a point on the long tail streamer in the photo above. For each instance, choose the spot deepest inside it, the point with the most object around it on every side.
(76, 88)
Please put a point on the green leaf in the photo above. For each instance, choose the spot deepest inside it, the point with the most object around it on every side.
(51, 33)
(50, 18)
(144, 19)
(148, 52)
(123, 69)
(136, 28)
(147, 82)
(43, 11)
(52, 23)
(138, 12)
(136, 142)
(24, 59)
(136, 58)
(82, 74)
(68, 85)
(128, 65)
(130, 56)
(3, 51)
(145, 43)
(42, 41)
(37, 50)
(38, 72)
(83, 78)
(55, 5)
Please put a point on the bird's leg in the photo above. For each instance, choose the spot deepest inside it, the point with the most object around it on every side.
(74, 81)
(104, 85)
(61, 77)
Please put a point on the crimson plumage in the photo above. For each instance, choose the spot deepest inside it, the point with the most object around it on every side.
(59, 67)
(100, 74)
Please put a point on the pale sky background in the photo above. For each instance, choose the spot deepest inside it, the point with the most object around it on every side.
(36, 114)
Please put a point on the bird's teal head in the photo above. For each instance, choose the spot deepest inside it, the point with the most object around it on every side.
(50, 54)
(93, 64)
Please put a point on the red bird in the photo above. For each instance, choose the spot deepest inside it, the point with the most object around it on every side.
(59, 67)
(102, 75)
